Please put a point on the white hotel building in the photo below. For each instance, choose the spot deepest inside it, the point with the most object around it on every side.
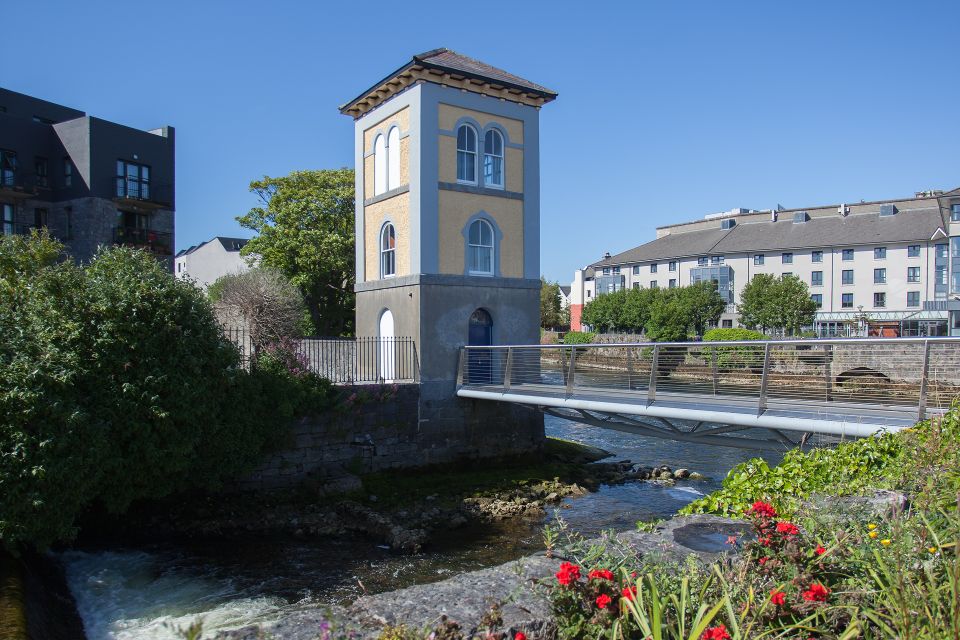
(895, 263)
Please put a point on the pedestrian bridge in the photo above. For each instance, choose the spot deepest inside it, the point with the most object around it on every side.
(756, 394)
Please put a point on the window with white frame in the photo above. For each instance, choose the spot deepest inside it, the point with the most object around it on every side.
(913, 274)
(379, 165)
(480, 248)
(388, 251)
(493, 159)
(393, 158)
(466, 154)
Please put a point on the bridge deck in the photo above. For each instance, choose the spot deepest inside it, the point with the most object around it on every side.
(841, 388)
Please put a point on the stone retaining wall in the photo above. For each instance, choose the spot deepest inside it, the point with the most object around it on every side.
(382, 427)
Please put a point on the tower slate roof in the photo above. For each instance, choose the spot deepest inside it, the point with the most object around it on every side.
(447, 67)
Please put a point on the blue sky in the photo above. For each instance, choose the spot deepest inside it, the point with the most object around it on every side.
(667, 111)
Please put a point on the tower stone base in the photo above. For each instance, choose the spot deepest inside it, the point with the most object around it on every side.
(435, 310)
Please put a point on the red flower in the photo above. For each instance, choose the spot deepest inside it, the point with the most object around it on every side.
(603, 600)
(568, 573)
(787, 528)
(778, 598)
(763, 560)
(600, 574)
(763, 509)
(820, 550)
(718, 632)
(816, 593)
(764, 541)
(630, 593)
(520, 636)
(731, 540)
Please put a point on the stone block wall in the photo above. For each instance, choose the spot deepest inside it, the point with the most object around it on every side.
(404, 429)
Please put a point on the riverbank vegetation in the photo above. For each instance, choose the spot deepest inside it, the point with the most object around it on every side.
(664, 315)
(119, 385)
(830, 556)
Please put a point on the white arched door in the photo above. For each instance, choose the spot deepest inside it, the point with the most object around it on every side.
(388, 362)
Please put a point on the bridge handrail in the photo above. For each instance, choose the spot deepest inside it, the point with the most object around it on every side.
(752, 373)
(730, 343)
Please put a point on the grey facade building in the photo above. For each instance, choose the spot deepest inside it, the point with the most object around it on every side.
(89, 181)
(887, 268)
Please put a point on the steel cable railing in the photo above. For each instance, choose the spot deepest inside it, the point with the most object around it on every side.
(886, 374)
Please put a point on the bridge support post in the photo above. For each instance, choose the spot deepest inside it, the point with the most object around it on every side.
(652, 388)
(828, 371)
(925, 377)
(764, 379)
(629, 369)
(571, 371)
(508, 369)
(713, 369)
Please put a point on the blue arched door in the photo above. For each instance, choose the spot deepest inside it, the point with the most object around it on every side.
(480, 334)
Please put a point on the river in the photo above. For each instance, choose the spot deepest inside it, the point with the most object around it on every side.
(146, 593)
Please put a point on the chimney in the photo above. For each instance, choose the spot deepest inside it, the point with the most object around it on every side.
(606, 256)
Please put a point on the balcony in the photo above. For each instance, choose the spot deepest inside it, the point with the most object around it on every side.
(156, 242)
(12, 186)
(139, 195)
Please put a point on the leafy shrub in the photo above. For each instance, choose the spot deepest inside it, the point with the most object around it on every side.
(734, 357)
(118, 385)
(579, 337)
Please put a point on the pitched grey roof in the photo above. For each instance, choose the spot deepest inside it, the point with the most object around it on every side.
(228, 244)
(447, 60)
(860, 229)
(675, 245)
(917, 224)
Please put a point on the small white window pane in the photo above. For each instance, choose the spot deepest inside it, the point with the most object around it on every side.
(379, 166)
(393, 162)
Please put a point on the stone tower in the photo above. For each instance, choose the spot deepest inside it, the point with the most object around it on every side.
(448, 228)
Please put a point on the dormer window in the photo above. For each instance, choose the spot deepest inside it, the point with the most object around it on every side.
(466, 154)
(493, 159)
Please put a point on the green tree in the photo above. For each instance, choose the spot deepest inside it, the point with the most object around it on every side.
(758, 303)
(669, 317)
(305, 230)
(551, 313)
(117, 385)
(605, 312)
(781, 304)
(795, 309)
(703, 305)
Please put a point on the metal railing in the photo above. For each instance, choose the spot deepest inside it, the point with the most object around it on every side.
(156, 241)
(915, 376)
(347, 360)
(143, 191)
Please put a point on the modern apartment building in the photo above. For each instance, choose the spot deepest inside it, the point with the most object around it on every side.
(888, 267)
(204, 263)
(90, 182)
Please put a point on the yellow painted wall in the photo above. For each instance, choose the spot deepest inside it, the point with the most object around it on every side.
(448, 116)
(383, 125)
(456, 208)
(397, 209)
(447, 158)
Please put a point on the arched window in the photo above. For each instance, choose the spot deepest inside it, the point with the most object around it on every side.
(379, 165)
(393, 158)
(480, 248)
(493, 158)
(466, 154)
(388, 251)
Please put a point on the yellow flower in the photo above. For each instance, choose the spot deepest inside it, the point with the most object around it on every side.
(885, 543)
(932, 549)
(873, 534)
(871, 526)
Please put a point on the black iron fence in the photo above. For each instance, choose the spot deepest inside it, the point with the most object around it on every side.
(348, 360)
